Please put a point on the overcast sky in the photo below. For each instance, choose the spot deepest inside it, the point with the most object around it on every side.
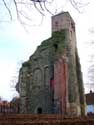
(16, 45)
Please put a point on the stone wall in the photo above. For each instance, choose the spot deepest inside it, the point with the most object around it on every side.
(51, 80)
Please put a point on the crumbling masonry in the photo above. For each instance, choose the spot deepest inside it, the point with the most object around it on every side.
(51, 80)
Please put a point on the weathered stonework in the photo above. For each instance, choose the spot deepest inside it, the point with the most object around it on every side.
(51, 80)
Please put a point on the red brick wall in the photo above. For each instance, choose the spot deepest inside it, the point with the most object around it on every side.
(44, 119)
(60, 68)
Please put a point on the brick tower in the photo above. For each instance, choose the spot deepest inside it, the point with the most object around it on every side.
(68, 84)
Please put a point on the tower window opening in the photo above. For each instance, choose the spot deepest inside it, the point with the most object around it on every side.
(56, 23)
(55, 46)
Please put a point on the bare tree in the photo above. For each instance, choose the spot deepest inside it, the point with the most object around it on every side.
(90, 43)
(23, 8)
(91, 71)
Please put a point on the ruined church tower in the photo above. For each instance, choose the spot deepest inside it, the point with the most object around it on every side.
(68, 85)
(51, 80)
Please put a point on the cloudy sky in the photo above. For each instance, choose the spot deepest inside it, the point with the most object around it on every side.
(17, 43)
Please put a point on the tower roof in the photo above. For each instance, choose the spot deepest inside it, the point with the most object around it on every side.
(61, 21)
(63, 13)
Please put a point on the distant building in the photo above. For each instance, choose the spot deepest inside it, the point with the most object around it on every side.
(90, 102)
(14, 105)
(51, 80)
(4, 106)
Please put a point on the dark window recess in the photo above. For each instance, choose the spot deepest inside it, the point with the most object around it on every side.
(52, 83)
(73, 26)
(55, 46)
(52, 99)
(39, 110)
(56, 23)
(71, 33)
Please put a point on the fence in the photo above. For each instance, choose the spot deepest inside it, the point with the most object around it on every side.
(43, 119)
(6, 107)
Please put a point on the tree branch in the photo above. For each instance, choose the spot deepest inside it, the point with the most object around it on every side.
(23, 7)
(7, 9)
(38, 9)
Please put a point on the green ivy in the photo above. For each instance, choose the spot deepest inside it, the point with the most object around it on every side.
(26, 64)
(58, 38)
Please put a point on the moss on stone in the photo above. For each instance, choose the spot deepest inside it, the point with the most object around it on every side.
(59, 35)
(79, 78)
(57, 42)
(26, 64)
(56, 36)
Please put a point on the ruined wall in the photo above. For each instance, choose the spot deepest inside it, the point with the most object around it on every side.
(51, 80)
(36, 78)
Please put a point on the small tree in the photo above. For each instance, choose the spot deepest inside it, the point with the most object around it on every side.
(91, 61)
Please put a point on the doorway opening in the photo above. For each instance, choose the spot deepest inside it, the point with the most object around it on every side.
(39, 110)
